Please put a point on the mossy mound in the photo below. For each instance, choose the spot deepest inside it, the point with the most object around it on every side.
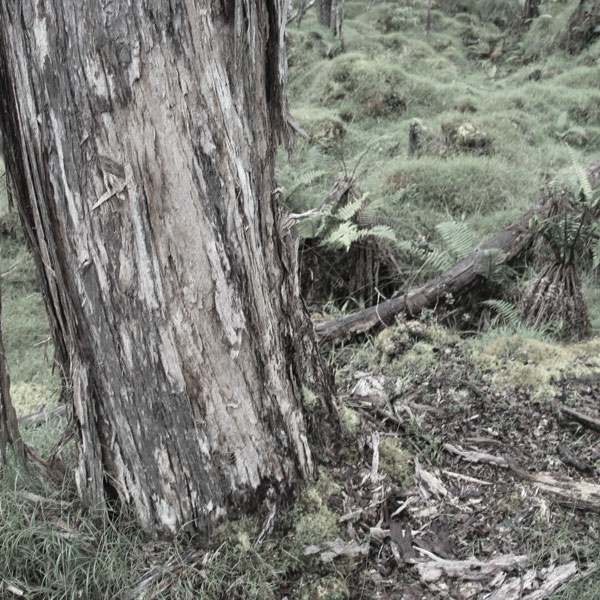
(537, 365)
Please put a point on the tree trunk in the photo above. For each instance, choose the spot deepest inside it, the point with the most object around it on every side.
(9, 427)
(531, 9)
(300, 13)
(324, 12)
(141, 140)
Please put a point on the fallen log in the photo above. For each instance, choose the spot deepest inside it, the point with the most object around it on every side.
(42, 415)
(459, 279)
(580, 417)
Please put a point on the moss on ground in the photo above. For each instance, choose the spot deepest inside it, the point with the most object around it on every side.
(395, 460)
(534, 364)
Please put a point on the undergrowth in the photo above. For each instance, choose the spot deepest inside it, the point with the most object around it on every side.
(473, 69)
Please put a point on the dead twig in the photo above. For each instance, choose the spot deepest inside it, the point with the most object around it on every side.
(477, 457)
(580, 417)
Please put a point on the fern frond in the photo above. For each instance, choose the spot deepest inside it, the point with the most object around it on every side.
(381, 231)
(505, 311)
(438, 260)
(373, 210)
(584, 182)
(303, 180)
(458, 238)
(346, 212)
(489, 263)
(344, 235)
(596, 254)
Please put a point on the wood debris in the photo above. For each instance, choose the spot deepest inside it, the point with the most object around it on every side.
(470, 569)
(580, 417)
(334, 548)
(477, 457)
(429, 485)
(568, 491)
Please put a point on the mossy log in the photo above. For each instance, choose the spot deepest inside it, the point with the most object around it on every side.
(459, 279)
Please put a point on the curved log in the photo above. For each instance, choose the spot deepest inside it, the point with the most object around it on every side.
(460, 278)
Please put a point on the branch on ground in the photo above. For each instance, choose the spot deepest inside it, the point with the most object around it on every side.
(457, 280)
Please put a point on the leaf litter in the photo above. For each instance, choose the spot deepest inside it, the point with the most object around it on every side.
(495, 472)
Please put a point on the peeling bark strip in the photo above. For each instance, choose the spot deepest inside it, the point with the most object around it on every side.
(141, 139)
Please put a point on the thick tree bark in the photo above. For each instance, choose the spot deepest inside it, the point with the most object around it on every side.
(531, 9)
(457, 280)
(141, 140)
(324, 12)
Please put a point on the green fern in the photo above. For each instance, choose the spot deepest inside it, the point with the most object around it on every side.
(439, 260)
(489, 263)
(380, 231)
(348, 233)
(457, 241)
(506, 312)
(342, 236)
(596, 254)
(303, 180)
(458, 238)
(584, 182)
(347, 212)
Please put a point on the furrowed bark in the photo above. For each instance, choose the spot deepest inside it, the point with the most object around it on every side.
(141, 138)
(459, 279)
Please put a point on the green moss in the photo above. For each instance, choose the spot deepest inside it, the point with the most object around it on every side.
(374, 86)
(309, 398)
(350, 419)
(534, 364)
(394, 459)
(412, 341)
(29, 397)
(457, 185)
(325, 127)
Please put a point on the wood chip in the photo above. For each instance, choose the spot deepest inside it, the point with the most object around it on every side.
(466, 477)
(471, 569)
(477, 457)
(555, 579)
(429, 485)
(375, 461)
(408, 502)
(513, 588)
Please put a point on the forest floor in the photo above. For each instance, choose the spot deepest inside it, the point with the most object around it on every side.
(465, 460)
(469, 467)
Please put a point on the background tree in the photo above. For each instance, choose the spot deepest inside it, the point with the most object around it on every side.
(324, 12)
(531, 9)
(140, 137)
(330, 14)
